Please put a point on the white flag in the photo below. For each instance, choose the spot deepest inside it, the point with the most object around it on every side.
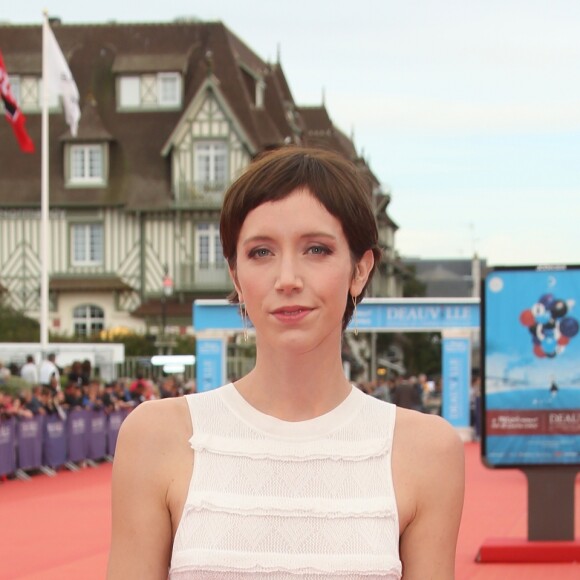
(56, 73)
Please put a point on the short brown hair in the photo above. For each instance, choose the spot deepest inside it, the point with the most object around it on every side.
(332, 179)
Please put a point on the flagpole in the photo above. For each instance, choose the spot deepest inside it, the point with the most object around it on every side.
(44, 199)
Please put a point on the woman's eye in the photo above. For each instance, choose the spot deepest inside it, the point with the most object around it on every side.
(259, 253)
(319, 250)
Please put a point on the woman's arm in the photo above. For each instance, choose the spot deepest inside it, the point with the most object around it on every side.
(434, 467)
(142, 532)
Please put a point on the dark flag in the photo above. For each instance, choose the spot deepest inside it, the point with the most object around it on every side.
(13, 112)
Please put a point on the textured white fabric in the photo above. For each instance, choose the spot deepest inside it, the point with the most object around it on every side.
(280, 500)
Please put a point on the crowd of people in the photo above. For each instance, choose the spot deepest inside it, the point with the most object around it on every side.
(423, 394)
(418, 393)
(51, 389)
(48, 389)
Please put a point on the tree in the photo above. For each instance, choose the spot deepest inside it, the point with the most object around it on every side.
(15, 327)
(421, 350)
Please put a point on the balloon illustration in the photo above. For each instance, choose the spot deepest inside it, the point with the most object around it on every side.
(550, 325)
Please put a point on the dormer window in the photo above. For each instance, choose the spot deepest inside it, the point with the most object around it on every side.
(129, 92)
(27, 91)
(15, 87)
(211, 165)
(169, 89)
(87, 165)
(255, 85)
(260, 89)
(149, 91)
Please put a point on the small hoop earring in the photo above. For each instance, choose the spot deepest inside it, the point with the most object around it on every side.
(244, 321)
(354, 315)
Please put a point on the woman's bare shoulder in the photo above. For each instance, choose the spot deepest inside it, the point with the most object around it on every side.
(154, 427)
(158, 413)
(427, 451)
(428, 466)
(428, 455)
(424, 434)
(151, 448)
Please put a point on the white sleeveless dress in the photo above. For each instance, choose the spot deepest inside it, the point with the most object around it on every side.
(286, 500)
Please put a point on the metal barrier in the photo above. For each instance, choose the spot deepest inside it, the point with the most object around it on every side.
(46, 442)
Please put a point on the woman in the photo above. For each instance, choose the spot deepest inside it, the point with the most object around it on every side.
(294, 473)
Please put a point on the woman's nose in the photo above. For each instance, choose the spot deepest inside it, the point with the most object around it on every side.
(288, 277)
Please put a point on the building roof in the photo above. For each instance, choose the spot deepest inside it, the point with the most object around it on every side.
(446, 278)
(84, 283)
(23, 62)
(382, 201)
(138, 164)
(144, 63)
(174, 308)
(138, 174)
(92, 128)
(320, 131)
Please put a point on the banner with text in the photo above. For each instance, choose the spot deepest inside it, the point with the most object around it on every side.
(456, 380)
(372, 315)
(210, 363)
(531, 370)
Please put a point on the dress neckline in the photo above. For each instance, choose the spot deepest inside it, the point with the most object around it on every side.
(307, 429)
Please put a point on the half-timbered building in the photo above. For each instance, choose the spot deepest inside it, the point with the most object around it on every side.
(171, 114)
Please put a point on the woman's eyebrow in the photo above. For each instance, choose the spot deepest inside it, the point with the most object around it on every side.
(319, 235)
(254, 239)
(306, 235)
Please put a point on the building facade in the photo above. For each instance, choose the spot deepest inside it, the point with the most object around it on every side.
(449, 278)
(170, 115)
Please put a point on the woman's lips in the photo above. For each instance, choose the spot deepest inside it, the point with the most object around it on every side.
(291, 313)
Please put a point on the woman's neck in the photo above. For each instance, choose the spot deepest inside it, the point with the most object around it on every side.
(295, 387)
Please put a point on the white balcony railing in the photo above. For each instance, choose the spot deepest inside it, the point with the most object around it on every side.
(196, 276)
(206, 194)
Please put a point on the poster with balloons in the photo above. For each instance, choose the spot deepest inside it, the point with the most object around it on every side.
(531, 366)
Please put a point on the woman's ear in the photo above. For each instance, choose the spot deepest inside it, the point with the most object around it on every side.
(361, 274)
(234, 277)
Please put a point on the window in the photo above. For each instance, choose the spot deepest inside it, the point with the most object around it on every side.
(15, 86)
(169, 89)
(27, 92)
(151, 91)
(209, 253)
(32, 89)
(211, 166)
(87, 244)
(129, 88)
(88, 320)
(260, 89)
(87, 164)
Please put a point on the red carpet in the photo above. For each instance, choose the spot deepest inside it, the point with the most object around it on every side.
(59, 528)
(496, 506)
(56, 528)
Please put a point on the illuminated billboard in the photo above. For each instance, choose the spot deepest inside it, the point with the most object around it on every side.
(531, 366)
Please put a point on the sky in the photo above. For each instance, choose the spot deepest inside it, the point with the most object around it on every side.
(468, 111)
